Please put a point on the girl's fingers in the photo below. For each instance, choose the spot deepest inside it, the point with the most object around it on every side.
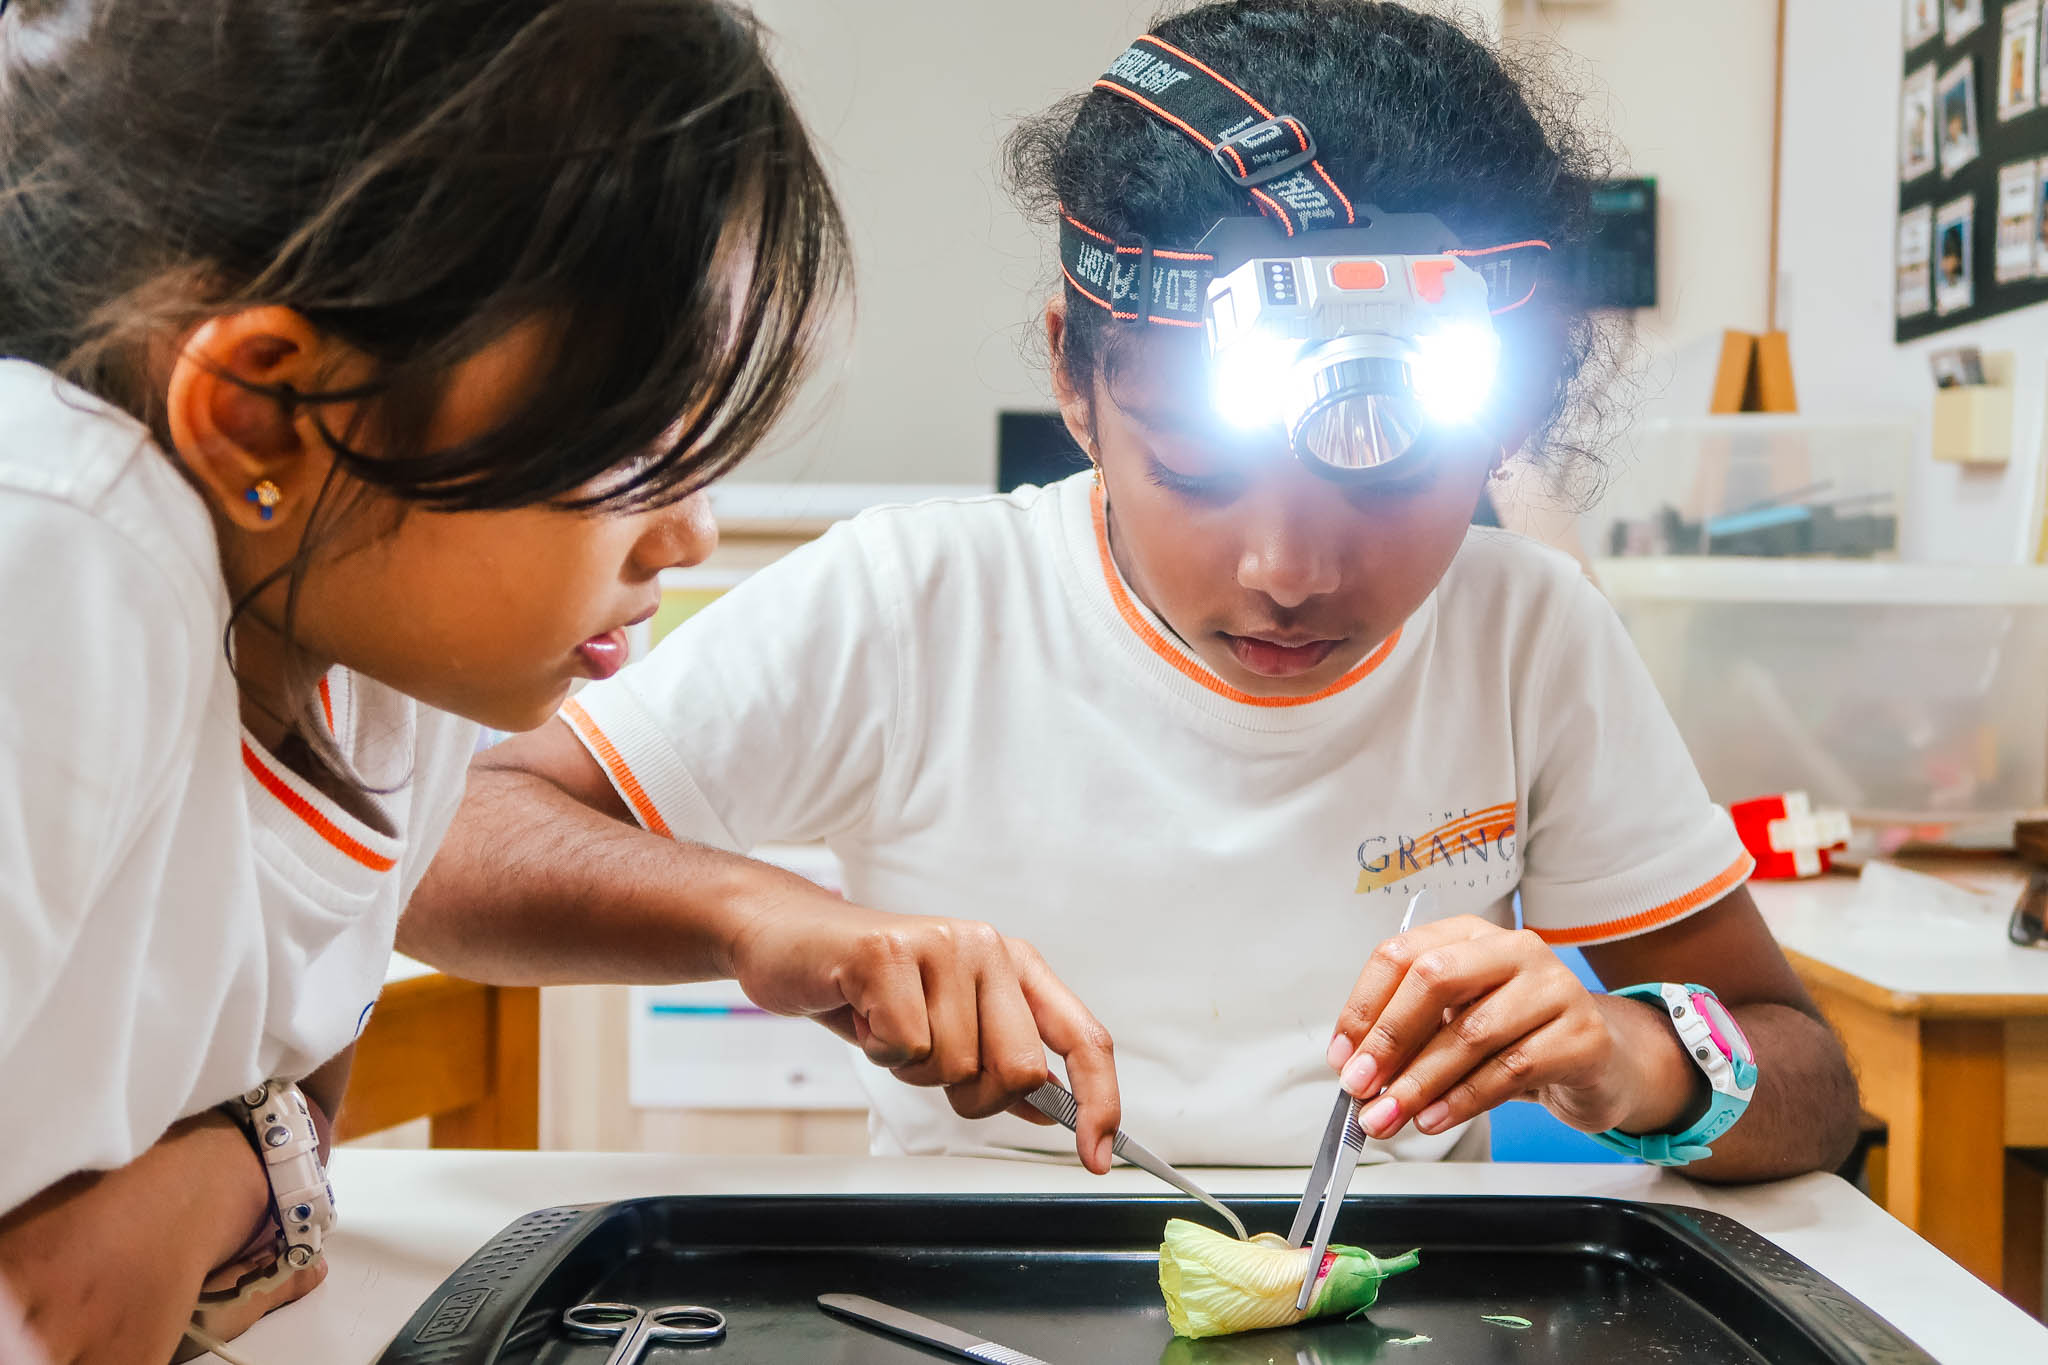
(1494, 1027)
(1084, 1044)
(950, 972)
(1012, 1060)
(1384, 972)
(1557, 1049)
(1448, 976)
(883, 984)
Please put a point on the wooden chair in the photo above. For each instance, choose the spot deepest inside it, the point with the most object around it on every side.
(465, 1056)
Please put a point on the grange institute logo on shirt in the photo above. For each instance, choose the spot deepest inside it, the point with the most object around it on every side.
(1476, 847)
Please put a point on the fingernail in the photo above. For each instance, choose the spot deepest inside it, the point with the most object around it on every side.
(1358, 1075)
(1381, 1116)
(1103, 1152)
(1434, 1117)
(1340, 1052)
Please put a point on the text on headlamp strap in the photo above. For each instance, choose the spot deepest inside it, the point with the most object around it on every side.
(1272, 157)
(1133, 280)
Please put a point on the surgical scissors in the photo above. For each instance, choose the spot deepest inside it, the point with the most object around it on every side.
(639, 1329)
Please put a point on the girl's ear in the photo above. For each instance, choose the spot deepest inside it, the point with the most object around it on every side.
(260, 456)
(1075, 409)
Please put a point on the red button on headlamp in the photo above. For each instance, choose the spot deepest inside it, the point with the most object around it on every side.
(1358, 275)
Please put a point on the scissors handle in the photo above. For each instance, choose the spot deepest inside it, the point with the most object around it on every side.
(636, 1329)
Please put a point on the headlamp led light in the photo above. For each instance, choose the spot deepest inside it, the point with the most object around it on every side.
(1357, 352)
(1361, 334)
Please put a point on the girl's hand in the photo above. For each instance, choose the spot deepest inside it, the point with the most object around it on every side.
(109, 1265)
(939, 1002)
(1461, 1015)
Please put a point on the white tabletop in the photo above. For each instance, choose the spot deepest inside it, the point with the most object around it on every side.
(1908, 932)
(409, 1218)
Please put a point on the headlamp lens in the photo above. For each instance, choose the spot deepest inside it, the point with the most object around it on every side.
(1250, 380)
(1358, 430)
(1453, 371)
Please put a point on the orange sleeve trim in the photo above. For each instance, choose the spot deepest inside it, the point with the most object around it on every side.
(308, 812)
(1135, 619)
(1736, 873)
(615, 764)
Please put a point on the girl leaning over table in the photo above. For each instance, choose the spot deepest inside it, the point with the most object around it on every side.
(1193, 726)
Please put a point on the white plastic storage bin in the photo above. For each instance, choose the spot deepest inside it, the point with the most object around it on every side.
(1758, 484)
(1899, 692)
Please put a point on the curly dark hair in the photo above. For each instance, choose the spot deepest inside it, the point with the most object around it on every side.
(1410, 112)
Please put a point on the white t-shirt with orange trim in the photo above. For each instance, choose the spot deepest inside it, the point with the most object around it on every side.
(180, 917)
(966, 702)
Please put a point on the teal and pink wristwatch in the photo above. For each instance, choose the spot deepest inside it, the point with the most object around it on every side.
(1721, 1051)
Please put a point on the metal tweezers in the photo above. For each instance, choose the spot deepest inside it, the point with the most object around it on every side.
(1336, 1162)
(1057, 1103)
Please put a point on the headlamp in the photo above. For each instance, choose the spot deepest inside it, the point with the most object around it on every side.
(1359, 351)
(1361, 334)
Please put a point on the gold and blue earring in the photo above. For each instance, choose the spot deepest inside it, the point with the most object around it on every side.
(266, 496)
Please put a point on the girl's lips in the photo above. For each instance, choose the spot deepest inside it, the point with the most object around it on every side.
(603, 655)
(1270, 660)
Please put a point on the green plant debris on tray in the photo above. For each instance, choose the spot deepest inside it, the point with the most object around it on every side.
(1507, 1320)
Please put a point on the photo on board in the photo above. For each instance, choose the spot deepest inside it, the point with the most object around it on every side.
(2041, 220)
(1956, 102)
(1954, 288)
(1916, 261)
(2041, 53)
(1923, 22)
(2018, 200)
(1961, 18)
(2019, 59)
(1917, 148)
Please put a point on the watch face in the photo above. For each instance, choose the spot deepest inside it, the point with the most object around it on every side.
(1721, 1026)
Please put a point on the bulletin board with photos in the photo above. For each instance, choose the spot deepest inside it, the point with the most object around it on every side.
(1973, 163)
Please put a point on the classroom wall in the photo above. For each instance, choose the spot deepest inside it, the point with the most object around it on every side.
(1685, 91)
(1836, 243)
(910, 99)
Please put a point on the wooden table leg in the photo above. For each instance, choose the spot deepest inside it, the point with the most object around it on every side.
(1939, 1085)
(508, 1114)
(1955, 1169)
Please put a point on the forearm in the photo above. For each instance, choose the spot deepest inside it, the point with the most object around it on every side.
(119, 1256)
(1802, 1117)
(532, 887)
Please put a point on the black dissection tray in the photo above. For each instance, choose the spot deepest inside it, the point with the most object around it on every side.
(1074, 1280)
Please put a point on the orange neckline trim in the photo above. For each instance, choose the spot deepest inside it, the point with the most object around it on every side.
(298, 805)
(1135, 619)
(1735, 874)
(615, 763)
(327, 703)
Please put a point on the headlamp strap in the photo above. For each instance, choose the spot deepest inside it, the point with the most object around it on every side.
(1134, 280)
(1272, 157)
